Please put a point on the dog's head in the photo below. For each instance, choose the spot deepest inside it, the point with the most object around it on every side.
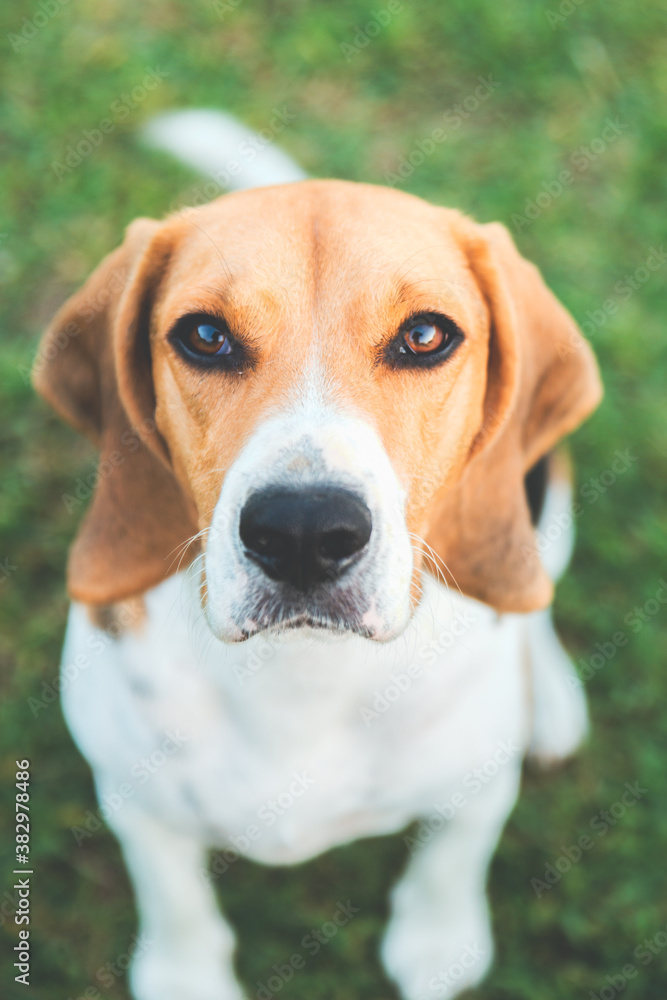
(334, 386)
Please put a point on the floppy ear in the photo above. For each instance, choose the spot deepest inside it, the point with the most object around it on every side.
(93, 367)
(542, 382)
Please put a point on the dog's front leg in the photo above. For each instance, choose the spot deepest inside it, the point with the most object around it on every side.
(185, 948)
(438, 942)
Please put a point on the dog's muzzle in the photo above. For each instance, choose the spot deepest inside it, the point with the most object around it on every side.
(309, 532)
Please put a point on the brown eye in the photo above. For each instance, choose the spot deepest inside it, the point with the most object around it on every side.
(424, 338)
(206, 339)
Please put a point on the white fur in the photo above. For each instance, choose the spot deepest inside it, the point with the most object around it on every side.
(312, 443)
(290, 743)
(315, 726)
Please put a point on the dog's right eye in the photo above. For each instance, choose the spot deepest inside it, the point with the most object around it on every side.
(204, 339)
(207, 339)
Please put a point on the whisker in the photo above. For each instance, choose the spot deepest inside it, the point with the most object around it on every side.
(213, 244)
(397, 277)
(436, 558)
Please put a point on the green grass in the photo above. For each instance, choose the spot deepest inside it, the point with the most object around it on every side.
(558, 85)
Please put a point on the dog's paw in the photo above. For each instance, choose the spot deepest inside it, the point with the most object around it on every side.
(158, 975)
(432, 959)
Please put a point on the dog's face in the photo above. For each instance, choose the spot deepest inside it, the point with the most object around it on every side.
(305, 364)
(332, 384)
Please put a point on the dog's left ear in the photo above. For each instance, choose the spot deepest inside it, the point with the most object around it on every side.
(94, 367)
(542, 381)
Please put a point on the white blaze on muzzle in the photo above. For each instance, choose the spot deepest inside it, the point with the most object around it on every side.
(311, 451)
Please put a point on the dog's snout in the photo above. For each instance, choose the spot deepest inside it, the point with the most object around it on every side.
(305, 537)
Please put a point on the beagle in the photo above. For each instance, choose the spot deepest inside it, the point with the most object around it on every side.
(322, 410)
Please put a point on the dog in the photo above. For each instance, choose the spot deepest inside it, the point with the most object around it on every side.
(308, 602)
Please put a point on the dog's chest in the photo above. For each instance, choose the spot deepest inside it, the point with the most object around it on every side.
(285, 747)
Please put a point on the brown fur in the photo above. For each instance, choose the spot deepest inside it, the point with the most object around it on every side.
(322, 270)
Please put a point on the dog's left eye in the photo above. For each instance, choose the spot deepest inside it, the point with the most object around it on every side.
(424, 340)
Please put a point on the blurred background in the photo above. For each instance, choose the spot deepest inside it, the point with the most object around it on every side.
(553, 122)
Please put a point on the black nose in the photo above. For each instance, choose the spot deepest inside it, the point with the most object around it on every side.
(305, 537)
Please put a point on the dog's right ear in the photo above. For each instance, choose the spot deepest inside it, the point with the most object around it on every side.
(139, 515)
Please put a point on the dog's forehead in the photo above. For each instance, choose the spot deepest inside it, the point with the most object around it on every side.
(337, 239)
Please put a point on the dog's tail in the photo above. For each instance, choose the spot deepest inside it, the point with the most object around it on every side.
(223, 149)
